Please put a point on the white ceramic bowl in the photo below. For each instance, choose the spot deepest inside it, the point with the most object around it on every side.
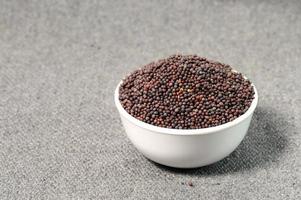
(187, 148)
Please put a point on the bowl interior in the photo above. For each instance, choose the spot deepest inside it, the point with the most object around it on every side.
(158, 129)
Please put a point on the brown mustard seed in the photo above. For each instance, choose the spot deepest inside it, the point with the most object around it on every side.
(186, 92)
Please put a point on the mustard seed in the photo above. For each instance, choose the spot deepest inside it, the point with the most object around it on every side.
(186, 92)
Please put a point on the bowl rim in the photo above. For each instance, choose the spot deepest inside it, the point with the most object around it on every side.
(184, 132)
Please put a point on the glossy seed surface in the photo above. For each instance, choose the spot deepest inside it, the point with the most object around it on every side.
(186, 92)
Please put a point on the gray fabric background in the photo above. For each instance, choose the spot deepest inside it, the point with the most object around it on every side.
(60, 134)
